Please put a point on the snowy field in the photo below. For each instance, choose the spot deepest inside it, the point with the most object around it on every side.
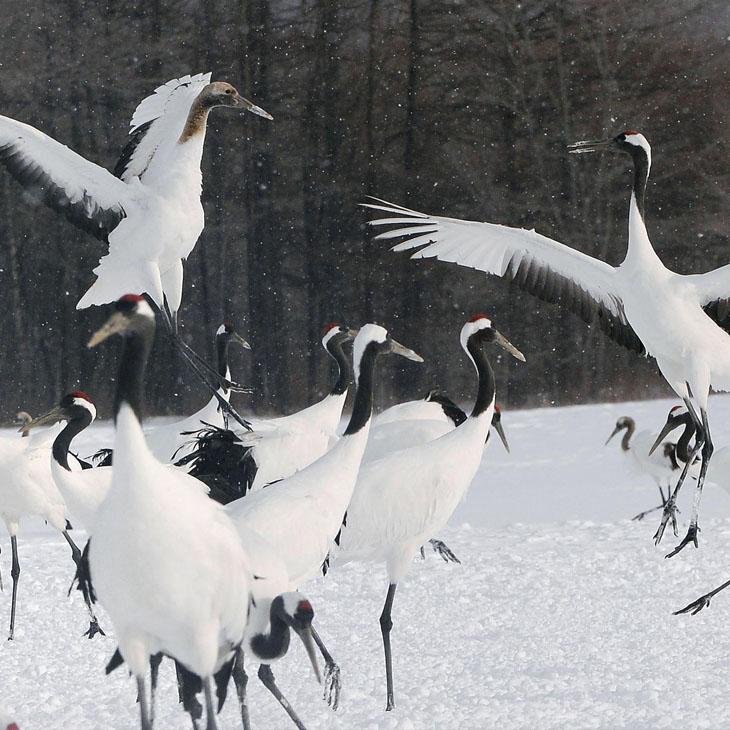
(560, 615)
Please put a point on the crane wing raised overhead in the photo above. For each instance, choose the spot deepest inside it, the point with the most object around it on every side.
(545, 268)
(87, 194)
(713, 292)
(157, 124)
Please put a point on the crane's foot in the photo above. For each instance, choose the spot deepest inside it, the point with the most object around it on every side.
(696, 606)
(94, 629)
(669, 513)
(444, 551)
(332, 685)
(641, 515)
(690, 537)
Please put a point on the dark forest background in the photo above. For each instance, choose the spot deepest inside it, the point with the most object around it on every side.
(460, 107)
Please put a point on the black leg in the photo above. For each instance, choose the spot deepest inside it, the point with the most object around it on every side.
(707, 450)
(332, 674)
(386, 624)
(211, 723)
(15, 574)
(240, 679)
(143, 709)
(94, 627)
(670, 506)
(267, 677)
(702, 601)
(155, 660)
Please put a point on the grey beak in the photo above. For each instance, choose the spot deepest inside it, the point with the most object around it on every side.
(53, 416)
(498, 428)
(586, 145)
(404, 351)
(502, 341)
(235, 337)
(613, 433)
(668, 428)
(251, 107)
(306, 636)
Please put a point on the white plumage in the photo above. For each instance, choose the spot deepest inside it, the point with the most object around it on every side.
(403, 499)
(641, 304)
(165, 560)
(150, 212)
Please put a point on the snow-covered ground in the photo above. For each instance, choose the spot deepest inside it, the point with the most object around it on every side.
(560, 615)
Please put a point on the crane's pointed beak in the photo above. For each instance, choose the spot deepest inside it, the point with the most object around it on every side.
(503, 342)
(587, 145)
(398, 349)
(498, 428)
(351, 333)
(305, 635)
(668, 428)
(235, 337)
(613, 433)
(116, 323)
(53, 416)
(249, 106)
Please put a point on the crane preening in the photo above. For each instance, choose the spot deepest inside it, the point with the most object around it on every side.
(149, 210)
(640, 304)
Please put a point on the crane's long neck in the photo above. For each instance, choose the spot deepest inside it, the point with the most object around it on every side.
(130, 383)
(362, 408)
(683, 442)
(334, 347)
(222, 345)
(275, 644)
(485, 394)
(630, 428)
(640, 250)
(63, 441)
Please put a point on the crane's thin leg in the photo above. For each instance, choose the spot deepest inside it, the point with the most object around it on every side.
(267, 678)
(670, 508)
(702, 601)
(94, 627)
(440, 547)
(190, 354)
(211, 723)
(332, 674)
(143, 708)
(707, 449)
(240, 679)
(15, 574)
(386, 624)
(155, 661)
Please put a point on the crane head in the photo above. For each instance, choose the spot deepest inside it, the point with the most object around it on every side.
(337, 333)
(228, 331)
(220, 93)
(678, 416)
(480, 328)
(628, 142)
(72, 406)
(296, 611)
(131, 313)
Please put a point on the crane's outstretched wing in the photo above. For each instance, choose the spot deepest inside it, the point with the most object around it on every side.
(713, 292)
(157, 124)
(545, 268)
(88, 195)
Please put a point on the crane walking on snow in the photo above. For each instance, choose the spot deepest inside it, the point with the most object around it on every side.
(640, 303)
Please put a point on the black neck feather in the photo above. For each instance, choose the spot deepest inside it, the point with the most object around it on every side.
(221, 343)
(334, 347)
(362, 408)
(641, 175)
(63, 441)
(130, 382)
(682, 451)
(630, 428)
(275, 644)
(485, 394)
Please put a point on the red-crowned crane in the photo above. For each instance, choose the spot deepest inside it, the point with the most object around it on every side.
(403, 499)
(640, 303)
